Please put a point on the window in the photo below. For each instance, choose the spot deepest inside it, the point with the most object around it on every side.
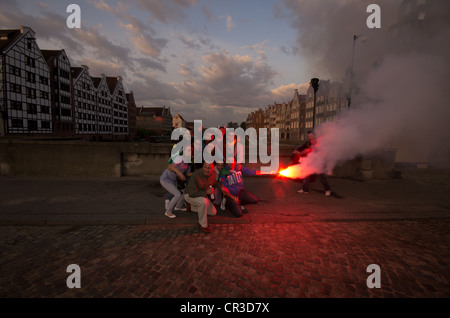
(17, 123)
(32, 125)
(31, 77)
(65, 99)
(16, 105)
(64, 87)
(45, 124)
(31, 93)
(45, 109)
(66, 112)
(43, 80)
(15, 88)
(15, 71)
(44, 95)
(31, 62)
(64, 74)
(31, 108)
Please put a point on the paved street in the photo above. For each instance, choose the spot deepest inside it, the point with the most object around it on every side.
(288, 245)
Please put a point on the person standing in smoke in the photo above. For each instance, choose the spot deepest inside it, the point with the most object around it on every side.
(303, 151)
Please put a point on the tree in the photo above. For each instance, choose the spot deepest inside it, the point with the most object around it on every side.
(232, 124)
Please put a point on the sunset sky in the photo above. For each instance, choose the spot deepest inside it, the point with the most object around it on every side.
(214, 60)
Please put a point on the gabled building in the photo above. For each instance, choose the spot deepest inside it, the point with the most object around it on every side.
(297, 116)
(132, 112)
(42, 94)
(103, 110)
(120, 107)
(61, 92)
(85, 102)
(25, 91)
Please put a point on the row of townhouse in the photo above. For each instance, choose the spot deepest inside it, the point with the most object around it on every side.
(41, 94)
(301, 114)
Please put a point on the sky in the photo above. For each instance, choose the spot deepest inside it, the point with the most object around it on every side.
(214, 60)
(219, 60)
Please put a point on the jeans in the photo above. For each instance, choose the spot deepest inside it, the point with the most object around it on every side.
(203, 206)
(322, 178)
(244, 197)
(177, 198)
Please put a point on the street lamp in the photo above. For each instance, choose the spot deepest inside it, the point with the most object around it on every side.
(315, 85)
(363, 39)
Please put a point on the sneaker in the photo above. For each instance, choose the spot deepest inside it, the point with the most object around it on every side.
(222, 204)
(327, 193)
(170, 215)
(205, 230)
(181, 209)
(303, 192)
(167, 204)
(244, 210)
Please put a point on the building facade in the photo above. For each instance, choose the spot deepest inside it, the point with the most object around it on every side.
(303, 112)
(61, 92)
(42, 94)
(25, 91)
(158, 120)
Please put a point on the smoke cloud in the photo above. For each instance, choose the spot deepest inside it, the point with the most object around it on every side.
(403, 85)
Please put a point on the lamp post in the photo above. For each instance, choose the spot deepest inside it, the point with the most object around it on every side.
(363, 39)
(315, 85)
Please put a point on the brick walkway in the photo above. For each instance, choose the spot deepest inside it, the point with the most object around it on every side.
(288, 260)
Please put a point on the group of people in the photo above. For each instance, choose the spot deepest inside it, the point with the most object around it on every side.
(206, 187)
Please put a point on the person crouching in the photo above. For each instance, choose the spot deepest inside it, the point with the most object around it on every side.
(197, 192)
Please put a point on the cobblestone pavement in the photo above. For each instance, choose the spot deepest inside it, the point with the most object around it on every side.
(262, 260)
(288, 247)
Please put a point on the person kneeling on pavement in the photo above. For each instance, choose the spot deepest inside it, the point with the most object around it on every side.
(237, 196)
(197, 192)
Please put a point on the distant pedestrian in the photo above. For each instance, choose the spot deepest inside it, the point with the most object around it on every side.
(197, 192)
(176, 171)
(303, 151)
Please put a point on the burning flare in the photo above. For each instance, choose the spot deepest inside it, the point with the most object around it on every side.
(291, 172)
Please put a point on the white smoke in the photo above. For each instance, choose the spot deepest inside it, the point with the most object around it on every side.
(404, 97)
(407, 107)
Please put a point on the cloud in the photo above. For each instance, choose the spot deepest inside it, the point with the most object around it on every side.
(284, 92)
(166, 11)
(149, 46)
(230, 23)
(97, 67)
(99, 44)
(208, 14)
(143, 35)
